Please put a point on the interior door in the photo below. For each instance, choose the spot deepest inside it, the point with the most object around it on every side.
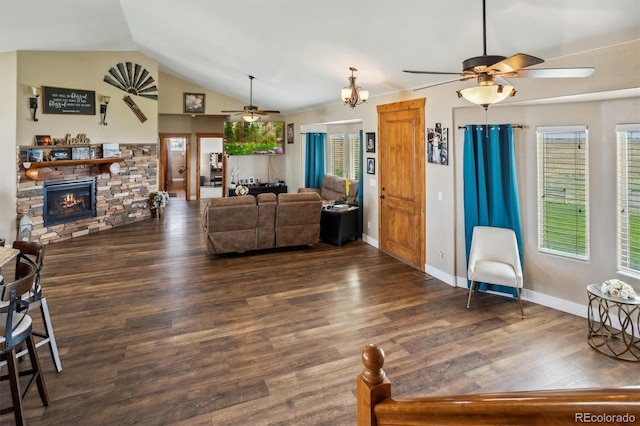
(401, 181)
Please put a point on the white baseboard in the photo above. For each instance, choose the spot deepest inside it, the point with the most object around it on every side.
(371, 241)
(543, 299)
(442, 276)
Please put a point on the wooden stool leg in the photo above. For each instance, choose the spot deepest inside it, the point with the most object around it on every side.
(14, 383)
(37, 371)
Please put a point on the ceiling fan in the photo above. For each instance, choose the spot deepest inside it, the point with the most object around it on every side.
(490, 72)
(251, 112)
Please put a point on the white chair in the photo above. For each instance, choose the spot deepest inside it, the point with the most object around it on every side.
(495, 259)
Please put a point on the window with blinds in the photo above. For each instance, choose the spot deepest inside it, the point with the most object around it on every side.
(628, 182)
(563, 192)
(336, 154)
(354, 156)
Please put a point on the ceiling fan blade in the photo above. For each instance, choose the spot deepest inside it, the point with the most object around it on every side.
(230, 112)
(555, 73)
(444, 82)
(432, 72)
(515, 63)
(267, 111)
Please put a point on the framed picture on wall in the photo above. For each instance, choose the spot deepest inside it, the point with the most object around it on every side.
(194, 103)
(371, 142)
(371, 166)
(290, 133)
(438, 145)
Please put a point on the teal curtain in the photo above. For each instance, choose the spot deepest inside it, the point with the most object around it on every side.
(314, 162)
(490, 185)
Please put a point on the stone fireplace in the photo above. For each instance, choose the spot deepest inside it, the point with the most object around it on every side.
(118, 199)
(68, 201)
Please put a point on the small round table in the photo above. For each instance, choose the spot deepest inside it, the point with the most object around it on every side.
(614, 325)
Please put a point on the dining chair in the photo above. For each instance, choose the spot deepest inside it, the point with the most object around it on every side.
(495, 259)
(35, 251)
(16, 328)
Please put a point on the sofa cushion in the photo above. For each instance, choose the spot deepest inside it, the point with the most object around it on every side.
(232, 224)
(333, 187)
(298, 219)
(267, 203)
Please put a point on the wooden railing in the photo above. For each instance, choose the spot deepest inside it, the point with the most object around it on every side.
(558, 407)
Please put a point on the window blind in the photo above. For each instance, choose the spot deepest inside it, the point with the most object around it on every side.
(628, 198)
(563, 225)
(337, 154)
(354, 156)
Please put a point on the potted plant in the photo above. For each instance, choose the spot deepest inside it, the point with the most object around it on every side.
(158, 200)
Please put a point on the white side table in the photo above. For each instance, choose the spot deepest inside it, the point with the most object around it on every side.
(605, 313)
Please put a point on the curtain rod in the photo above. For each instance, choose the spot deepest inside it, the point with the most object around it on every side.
(515, 126)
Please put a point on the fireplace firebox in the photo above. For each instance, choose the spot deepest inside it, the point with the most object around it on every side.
(69, 200)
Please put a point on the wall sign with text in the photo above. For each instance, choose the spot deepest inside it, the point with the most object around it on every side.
(57, 100)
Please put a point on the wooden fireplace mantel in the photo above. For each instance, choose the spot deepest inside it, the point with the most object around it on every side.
(39, 170)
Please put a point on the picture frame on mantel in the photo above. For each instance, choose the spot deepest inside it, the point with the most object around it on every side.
(194, 103)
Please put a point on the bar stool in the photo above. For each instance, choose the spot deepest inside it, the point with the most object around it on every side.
(15, 328)
(34, 251)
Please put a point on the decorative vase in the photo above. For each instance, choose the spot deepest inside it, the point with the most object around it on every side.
(160, 211)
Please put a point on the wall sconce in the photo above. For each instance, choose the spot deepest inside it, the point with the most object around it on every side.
(103, 110)
(33, 101)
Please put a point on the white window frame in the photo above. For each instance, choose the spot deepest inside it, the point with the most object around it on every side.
(580, 157)
(628, 157)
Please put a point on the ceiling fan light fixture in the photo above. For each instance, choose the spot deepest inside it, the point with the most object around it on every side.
(486, 95)
(251, 117)
(353, 95)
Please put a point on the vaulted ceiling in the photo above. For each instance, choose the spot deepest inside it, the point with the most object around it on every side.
(300, 51)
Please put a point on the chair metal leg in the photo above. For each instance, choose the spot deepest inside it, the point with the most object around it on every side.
(48, 329)
(473, 283)
(48, 336)
(520, 302)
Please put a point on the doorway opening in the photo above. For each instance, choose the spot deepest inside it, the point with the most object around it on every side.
(211, 166)
(173, 170)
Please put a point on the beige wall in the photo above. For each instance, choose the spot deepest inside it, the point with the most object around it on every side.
(548, 274)
(8, 186)
(75, 70)
(556, 282)
(173, 120)
(548, 279)
(86, 71)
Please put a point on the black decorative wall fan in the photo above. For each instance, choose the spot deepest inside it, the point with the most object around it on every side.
(251, 110)
(132, 78)
(489, 68)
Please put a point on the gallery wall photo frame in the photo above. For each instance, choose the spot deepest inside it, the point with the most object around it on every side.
(370, 141)
(371, 166)
(438, 145)
(193, 103)
(290, 133)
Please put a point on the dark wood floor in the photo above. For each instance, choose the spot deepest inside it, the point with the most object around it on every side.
(153, 332)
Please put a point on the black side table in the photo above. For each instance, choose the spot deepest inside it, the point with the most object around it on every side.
(336, 227)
